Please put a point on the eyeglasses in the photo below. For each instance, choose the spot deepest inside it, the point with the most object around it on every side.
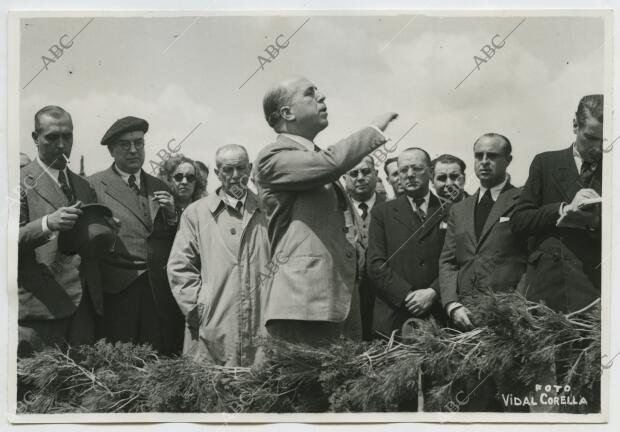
(365, 172)
(178, 177)
(126, 144)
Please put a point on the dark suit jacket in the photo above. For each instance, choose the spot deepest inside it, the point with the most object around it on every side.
(564, 265)
(50, 282)
(496, 261)
(143, 243)
(311, 222)
(403, 255)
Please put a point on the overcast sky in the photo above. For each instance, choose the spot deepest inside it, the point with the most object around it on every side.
(180, 72)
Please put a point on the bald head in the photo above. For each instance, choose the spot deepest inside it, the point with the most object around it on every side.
(295, 106)
(277, 96)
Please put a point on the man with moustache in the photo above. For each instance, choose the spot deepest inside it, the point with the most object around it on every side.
(449, 177)
(391, 173)
(481, 252)
(216, 266)
(558, 189)
(56, 304)
(139, 306)
(361, 184)
(312, 297)
(406, 238)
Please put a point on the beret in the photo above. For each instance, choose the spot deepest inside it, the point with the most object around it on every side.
(126, 124)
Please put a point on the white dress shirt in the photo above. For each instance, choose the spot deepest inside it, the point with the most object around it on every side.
(495, 190)
(125, 176)
(423, 206)
(232, 201)
(370, 203)
(53, 173)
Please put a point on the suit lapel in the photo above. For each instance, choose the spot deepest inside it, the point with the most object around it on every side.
(436, 213)
(597, 182)
(503, 204)
(566, 176)
(120, 191)
(80, 188)
(469, 208)
(403, 213)
(149, 184)
(42, 183)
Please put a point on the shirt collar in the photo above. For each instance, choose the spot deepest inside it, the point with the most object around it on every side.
(52, 172)
(309, 145)
(125, 176)
(369, 202)
(230, 200)
(495, 190)
(579, 159)
(576, 153)
(424, 205)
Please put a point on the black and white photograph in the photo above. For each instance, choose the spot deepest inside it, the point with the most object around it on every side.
(314, 216)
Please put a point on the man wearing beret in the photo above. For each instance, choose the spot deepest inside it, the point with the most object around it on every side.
(138, 303)
(57, 305)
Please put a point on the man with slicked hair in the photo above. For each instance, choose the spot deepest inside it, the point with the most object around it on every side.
(480, 252)
(57, 305)
(560, 208)
(312, 298)
(449, 177)
(564, 186)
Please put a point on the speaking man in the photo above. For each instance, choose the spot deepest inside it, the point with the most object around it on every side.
(312, 298)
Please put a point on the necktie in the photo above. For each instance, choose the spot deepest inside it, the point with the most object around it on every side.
(239, 207)
(133, 185)
(418, 205)
(364, 208)
(483, 208)
(64, 186)
(586, 174)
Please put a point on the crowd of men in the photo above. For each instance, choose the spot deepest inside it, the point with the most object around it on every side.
(317, 253)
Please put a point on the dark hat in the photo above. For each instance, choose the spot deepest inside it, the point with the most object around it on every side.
(126, 124)
(91, 234)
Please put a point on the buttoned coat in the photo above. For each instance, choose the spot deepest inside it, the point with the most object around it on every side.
(142, 234)
(311, 222)
(403, 256)
(50, 282)
(496, 261)
(221, 291)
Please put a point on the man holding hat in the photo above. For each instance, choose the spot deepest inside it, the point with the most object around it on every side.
(57, 301)
(138, 303)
